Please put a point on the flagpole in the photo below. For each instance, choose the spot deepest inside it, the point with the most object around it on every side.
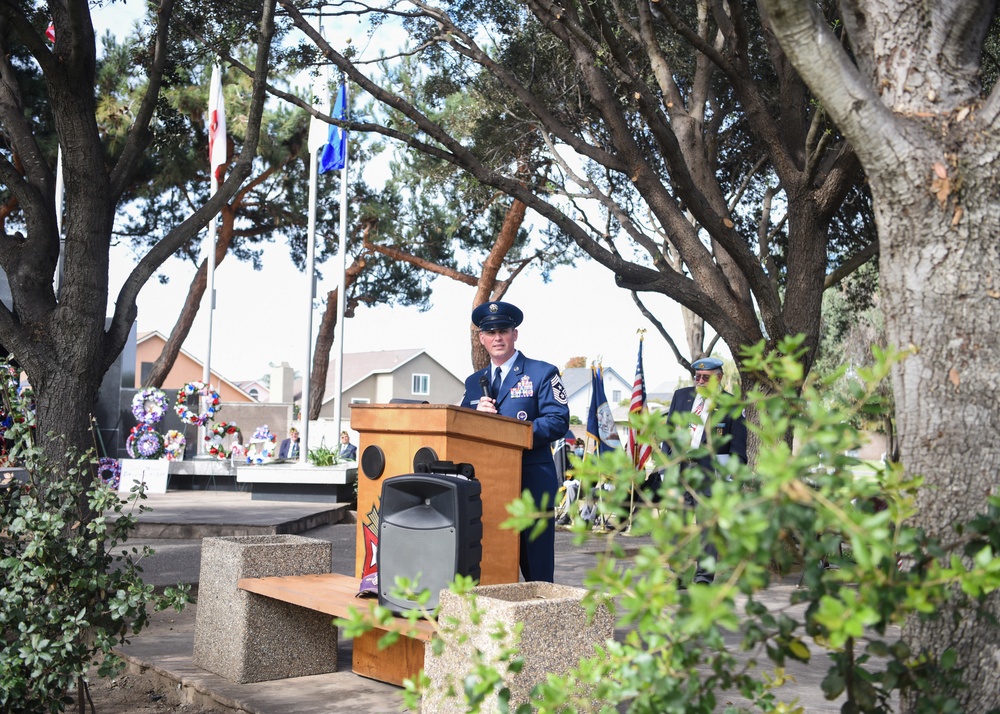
(216, 160)
(310, 294)
(206, 374)
(338, 376)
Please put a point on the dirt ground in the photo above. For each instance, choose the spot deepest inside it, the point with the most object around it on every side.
(133, 694)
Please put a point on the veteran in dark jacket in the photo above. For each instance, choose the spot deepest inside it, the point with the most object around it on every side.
(528, 390)
(700, 406)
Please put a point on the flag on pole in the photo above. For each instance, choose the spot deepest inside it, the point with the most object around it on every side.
(600, 421)
(216, 125)
(640, 452)
(335, 150)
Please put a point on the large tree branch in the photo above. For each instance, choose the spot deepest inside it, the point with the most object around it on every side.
(125, 305)
(831, 75)
(853, 263)
(140, 135)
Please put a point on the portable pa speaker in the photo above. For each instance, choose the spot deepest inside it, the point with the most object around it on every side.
(430, 530)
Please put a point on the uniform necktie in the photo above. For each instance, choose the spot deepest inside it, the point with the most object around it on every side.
(495, 387)
(698, 427)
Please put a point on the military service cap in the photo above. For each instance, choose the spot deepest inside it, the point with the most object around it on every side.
(708, 363)
(496, 316)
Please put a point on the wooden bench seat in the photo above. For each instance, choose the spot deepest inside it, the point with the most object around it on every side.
(335, 594)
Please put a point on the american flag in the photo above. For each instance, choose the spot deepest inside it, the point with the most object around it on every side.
(640, 452)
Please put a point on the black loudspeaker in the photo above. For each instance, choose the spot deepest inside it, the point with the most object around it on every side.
(430, 530)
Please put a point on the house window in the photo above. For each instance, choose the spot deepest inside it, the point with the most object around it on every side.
(144, 369)
(616, 395)
(421, 384)
(255, 394)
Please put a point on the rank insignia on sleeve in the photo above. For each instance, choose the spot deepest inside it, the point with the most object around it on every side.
(559, 391)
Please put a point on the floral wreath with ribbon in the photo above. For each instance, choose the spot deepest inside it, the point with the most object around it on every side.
(173, 445)
(149, 405)
(144, 442)
(113, 469)
(215, 446)
(261, 446)
(194, 389)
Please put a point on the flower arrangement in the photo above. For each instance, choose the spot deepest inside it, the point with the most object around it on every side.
(110, 472)
(262, 433)
(194, 390)
(261, 446)
(149, 405)
(261, 453)
(144, 443)
(173, 445)
(215, 446)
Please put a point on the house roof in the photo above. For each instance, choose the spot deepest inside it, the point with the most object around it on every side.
(576, 379)
(144, 336)
(358, 366)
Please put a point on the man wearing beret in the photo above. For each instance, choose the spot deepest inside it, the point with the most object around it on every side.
(528, 390)
(707, 374)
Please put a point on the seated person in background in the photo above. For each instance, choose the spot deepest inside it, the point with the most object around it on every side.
(289, 448)
(348, 451)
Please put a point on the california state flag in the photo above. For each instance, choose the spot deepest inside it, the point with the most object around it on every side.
(216, 125)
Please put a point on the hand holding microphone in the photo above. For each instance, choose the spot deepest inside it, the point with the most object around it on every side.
(486, 402)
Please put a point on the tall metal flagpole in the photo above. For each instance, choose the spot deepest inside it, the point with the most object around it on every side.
(310, 295)
(216, 159)
(210, 289)
(206, 374)
(338, 384)
(316, 142)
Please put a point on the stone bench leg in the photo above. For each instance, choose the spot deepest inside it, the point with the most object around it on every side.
(246, 637)
(556, 635)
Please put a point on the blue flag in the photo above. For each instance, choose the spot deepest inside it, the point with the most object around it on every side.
(600, 420)
(335, 151)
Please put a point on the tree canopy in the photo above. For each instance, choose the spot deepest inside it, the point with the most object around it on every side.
(678, 148)
(61, 339)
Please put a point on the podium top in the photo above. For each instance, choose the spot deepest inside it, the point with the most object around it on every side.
(443, 420)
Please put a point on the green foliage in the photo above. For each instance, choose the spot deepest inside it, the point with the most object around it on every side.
(70, 594)
(322, 455)
(787, 514)
(852, 329)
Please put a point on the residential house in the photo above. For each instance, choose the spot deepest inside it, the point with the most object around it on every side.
(379, 377)
(186, 369)
(256, 388)
(578, 380)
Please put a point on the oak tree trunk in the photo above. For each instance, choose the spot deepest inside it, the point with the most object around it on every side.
(941, 296)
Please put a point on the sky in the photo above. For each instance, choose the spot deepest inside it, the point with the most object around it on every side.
(261, 317)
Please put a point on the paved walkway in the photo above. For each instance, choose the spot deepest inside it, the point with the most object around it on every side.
(174, 528)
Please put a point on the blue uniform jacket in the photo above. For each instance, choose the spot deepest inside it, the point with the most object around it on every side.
(683, 401)
(533, 391)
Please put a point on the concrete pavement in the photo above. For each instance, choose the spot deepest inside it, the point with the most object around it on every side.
(174, 528)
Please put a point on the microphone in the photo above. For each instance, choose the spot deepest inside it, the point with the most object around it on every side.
(484, 384)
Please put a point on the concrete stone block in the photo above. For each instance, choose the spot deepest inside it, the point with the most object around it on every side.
(246, 637)
(556, 634)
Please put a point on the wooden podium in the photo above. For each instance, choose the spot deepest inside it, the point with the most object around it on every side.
(491, 443)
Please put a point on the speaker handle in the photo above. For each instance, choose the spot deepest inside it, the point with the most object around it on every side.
(446, 467)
